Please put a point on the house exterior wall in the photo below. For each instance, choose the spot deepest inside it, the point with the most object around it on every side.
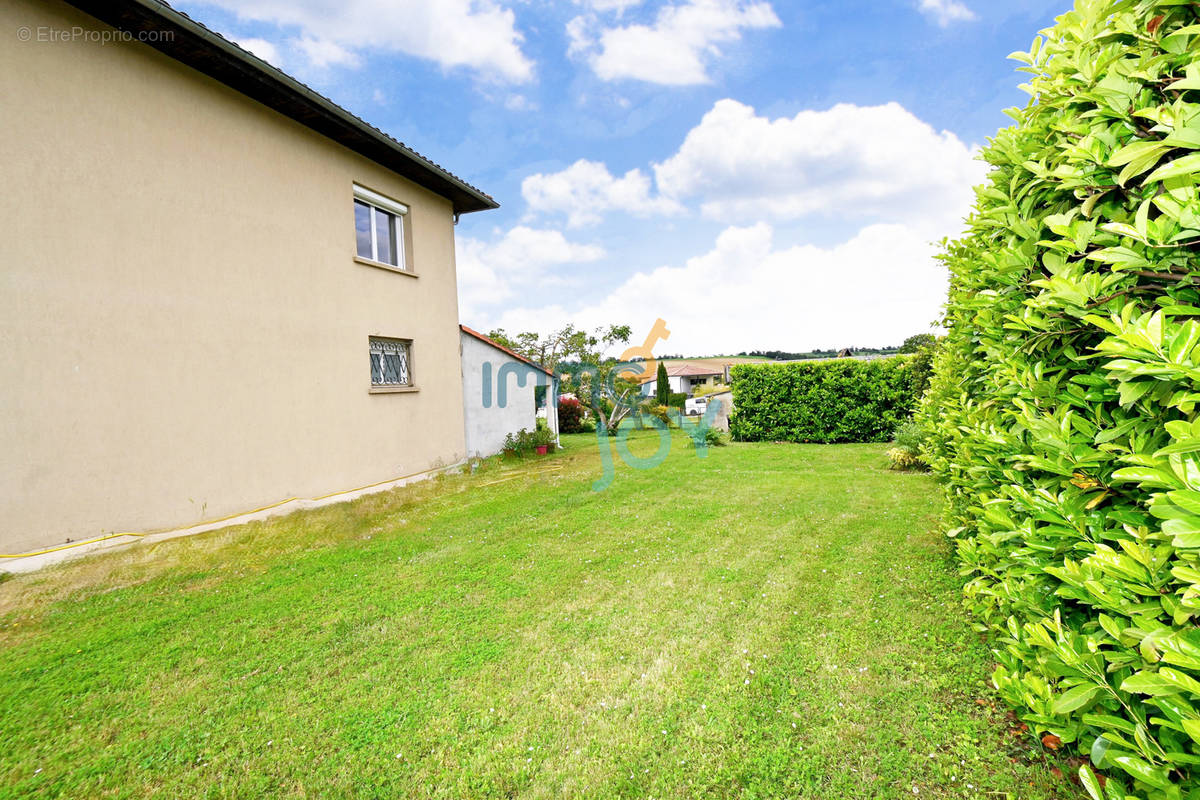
(488, 424)
(677, 383)
(183, 327)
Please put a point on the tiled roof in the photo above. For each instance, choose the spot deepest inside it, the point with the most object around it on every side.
(499, 346)
(685, 370)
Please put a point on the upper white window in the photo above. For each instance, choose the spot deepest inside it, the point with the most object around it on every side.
(379, 227)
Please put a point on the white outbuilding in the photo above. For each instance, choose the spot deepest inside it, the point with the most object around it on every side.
(500, 393)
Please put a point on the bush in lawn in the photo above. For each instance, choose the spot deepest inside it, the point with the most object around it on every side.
(905, 452)
(1062, 416)
(677, 399)
(822, 401)
(570, 415)
(658, 411)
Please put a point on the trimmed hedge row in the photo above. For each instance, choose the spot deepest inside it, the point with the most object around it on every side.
(821, 401)
(1062, 417)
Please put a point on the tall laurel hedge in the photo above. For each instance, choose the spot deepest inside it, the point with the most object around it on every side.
(822, 401)
(1063, 411)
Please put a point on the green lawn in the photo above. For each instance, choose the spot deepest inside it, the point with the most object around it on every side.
(771, 621)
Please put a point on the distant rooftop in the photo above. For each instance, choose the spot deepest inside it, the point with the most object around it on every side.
(682, 369)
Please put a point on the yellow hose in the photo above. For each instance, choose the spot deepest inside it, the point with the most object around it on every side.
(66, 546)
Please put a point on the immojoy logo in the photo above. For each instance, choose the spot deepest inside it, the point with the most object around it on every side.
(629, 369)
(599, 385)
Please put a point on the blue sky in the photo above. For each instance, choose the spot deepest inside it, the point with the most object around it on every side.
(761, 174)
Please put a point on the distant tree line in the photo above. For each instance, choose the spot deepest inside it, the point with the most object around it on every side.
(912, 344)
(784, 355)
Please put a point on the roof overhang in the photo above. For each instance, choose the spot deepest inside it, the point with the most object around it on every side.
(474, 334)
(213, 55)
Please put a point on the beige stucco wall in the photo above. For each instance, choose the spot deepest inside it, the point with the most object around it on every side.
(183, 329)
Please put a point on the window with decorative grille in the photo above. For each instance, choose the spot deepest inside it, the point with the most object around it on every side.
(390, 362)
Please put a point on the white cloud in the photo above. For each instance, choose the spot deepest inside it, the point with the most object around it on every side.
(265, 50)
(618, 6)
(586, 190)
(475, 34)
(324, 53)
(877, 288)
(491, 272)
(848, 161)
(519, 102)
(857, 163)
(944, 12)
(674, 51)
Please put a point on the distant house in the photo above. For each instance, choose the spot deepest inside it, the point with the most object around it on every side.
(221, 291)
(500, 393)
(684, 377)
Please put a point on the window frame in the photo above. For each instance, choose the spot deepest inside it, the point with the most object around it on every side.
(391, 388)
(377, 203)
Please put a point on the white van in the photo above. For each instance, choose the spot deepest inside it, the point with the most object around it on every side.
(695, 406)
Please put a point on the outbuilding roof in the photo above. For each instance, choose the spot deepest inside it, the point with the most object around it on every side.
(498, 346)
(182, 38)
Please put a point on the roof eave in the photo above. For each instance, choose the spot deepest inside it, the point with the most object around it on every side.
(492, 342)
(215, 56)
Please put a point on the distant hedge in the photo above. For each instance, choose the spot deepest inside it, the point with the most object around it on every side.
(822, 401)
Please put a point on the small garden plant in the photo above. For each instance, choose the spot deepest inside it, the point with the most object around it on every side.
(905, 452)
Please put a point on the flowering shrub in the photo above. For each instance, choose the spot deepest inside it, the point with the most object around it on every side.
(821, 401)
(1062, 415)
(570, 415)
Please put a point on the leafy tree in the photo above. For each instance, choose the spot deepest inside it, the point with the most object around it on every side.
(915, 342)
(610, 396)
(662, 386)
(568, 342)
(1063, 414)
